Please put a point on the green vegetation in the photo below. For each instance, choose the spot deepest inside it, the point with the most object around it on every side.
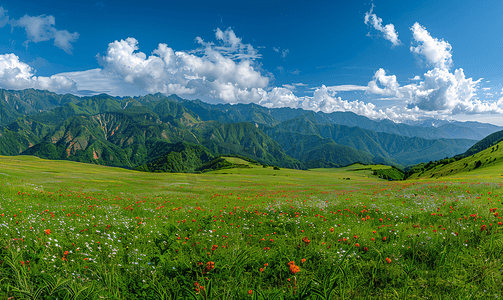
(82, 231)
(130, 132)
(390, 173)
(474, 158)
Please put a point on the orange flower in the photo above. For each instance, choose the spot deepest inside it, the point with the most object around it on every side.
(303, 260)
(306, 240)
(294, 269)
(250, 292)
(384, 239)
(210, 265)
(261, 269)
(388, 260)
(266, 264)
(357, 245)
(47, 231)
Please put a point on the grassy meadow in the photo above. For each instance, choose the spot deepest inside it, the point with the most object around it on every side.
(79, 231)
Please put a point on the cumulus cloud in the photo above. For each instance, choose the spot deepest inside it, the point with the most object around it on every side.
(17, 75)
(39, 29)
(388, 31)
(452, 93)
(441, 92)
(385, 85)
(226, 72)
(324, 99)
(437, 53)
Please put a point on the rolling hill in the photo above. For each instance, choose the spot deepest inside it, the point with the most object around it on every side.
(484, 154)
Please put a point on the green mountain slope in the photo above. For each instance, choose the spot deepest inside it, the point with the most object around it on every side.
(130, 132)
(400, 149)
(179, 158)
(485, 143)
(489, 157)
(14, 104)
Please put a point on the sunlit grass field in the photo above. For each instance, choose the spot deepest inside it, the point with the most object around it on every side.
(79, 231)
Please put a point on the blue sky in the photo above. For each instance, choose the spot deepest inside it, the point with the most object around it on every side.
(400, 60)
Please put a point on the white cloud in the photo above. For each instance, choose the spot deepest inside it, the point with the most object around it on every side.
(97, 81)
(417, 77)
(449, 92)
(390, 86)
(437, 52)
(39, 29)
(275, 49)
(346, 88)
(388, 31)
(225, 72)
(17, 75)
(441, 92)
(284, 53)
(289, 86)
(486, 89)
(4, 18)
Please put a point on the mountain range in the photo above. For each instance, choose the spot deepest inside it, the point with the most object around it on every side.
(168, 133)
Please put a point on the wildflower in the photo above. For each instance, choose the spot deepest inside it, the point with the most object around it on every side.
(210, 266)
(303, 260)
(47, 231)
(306, 240)
(294, 269)
(266, 264)
(357, 245)
(388, 260)
(483, 227)
(261, 269)
(250, 292)
(384, 239)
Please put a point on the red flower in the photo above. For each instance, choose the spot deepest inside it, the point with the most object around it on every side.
(388, 260)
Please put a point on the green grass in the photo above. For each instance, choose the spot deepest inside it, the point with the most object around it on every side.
(488, 161)
(137, 235)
